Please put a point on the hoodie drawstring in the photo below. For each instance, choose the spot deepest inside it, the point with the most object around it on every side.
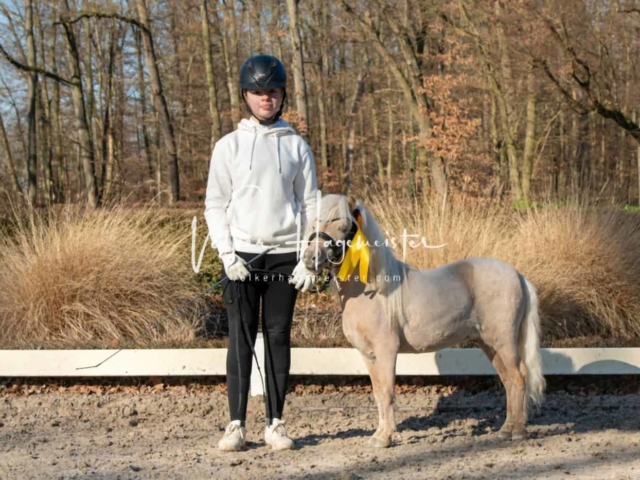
(278, 129)
(253, 146)
(279, 161)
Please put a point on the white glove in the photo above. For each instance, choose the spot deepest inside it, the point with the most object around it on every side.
(302, 278)
(235, 266)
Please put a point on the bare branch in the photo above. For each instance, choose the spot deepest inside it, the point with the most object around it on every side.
(27, 68)
(573, 103)
(620, 118)
(98, 14)
(597, 105)
(370, 31)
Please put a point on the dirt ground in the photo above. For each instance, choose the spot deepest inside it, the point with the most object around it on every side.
(164, 431)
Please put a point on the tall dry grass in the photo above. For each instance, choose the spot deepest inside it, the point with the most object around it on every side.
(584, 260)
(81, 278)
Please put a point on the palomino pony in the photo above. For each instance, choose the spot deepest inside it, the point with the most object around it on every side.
(405, 310)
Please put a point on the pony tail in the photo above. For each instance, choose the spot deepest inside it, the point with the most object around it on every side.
(529, 346)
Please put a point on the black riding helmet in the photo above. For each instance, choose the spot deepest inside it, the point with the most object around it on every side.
(262, 72)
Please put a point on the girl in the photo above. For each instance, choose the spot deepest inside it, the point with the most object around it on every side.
(261, 177)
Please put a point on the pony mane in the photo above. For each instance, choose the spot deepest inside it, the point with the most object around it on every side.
(386, 273)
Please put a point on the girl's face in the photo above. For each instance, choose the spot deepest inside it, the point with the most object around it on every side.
(264, 103)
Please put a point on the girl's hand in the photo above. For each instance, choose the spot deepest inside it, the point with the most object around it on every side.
(234, 266)
(302, 278)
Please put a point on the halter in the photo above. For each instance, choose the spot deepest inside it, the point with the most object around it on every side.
(335, 246)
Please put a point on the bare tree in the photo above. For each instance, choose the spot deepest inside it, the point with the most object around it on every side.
(160, 100)
(230, 51)
(583, 76)
(298, 69)
(513, 97)
(351, 127)
(409, 77)
(142, 91)
(46, 130)
(216, 130)
(32, 147)
(107, 73)
(15, 184)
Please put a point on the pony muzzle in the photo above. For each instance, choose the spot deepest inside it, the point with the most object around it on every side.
(315, 257)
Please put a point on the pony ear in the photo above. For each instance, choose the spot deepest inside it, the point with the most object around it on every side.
(354, 207)
(353, 203)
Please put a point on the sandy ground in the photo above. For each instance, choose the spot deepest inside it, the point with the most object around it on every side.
(171, 432)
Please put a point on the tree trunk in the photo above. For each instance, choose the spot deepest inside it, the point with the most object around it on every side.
(375, 124)
(507, 109)
(46, 130)
(255, 13)
(635, 119)
(323, 19)
(18, 114)
(15, 184)
(322, 113)
(59, 159)
(413, 158)
(182, 76)
(496, 148)
(230, 50)
(118, 114)
(86, 152)
(350, 128)
(604, 170)
(298, 70)
(565, 158)
(216, 130)
(32, 146)
(88, 67)
(593, 157)
(142, 91)
(160, 101)
(158, 156)
(529, 141)
(278, 16)
(108, 156)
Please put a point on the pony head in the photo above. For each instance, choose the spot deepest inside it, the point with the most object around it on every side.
(332, 230)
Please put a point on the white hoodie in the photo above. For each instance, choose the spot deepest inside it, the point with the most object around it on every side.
(260, 178)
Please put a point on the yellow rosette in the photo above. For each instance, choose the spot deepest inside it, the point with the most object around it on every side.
(357, 252)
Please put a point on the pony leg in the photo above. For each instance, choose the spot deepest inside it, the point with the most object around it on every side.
(516, 392)
(382, 371)
(375, 384)
(496, 361)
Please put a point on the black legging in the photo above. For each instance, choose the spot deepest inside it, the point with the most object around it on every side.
(243, 305)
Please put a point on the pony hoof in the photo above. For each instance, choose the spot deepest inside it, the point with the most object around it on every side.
(519, 435)
(380, 441)
(504, 434)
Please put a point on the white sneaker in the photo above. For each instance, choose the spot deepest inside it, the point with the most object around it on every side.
(233, 438)
(276, 436)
